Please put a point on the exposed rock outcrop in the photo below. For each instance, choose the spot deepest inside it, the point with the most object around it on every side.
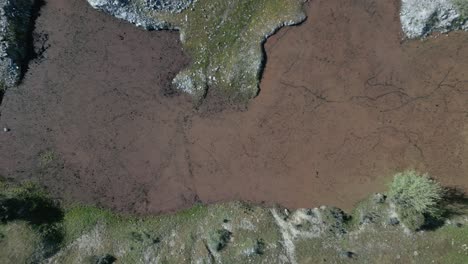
(134, 12)
(422, 17)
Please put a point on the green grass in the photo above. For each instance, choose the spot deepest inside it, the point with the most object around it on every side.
(35, 218)
(174, 238)
(224, 39)
(47, 157)
(19, 243)
(232, 233)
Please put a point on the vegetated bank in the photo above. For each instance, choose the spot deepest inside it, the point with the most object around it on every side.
(224, 38)
(35, 229)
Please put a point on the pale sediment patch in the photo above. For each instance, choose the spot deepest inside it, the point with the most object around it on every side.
(310, 221)
(86, 245)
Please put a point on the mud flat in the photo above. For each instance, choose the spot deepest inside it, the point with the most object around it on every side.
(344, 103)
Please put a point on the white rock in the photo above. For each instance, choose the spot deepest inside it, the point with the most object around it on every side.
(421, 17)
(97, 3)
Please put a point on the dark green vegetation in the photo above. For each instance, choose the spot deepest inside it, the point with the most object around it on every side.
(21, 15)
(17, 47)
(34, 228)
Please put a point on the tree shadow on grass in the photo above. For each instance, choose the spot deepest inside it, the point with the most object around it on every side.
(41, 212)
(455, 203)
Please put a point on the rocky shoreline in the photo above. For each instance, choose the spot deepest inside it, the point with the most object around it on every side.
(420, 18)
(16, 24)
(237, 75)
(135, 12)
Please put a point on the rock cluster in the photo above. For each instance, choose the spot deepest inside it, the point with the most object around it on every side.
(173, 6)
(419, 18)
(134, 11)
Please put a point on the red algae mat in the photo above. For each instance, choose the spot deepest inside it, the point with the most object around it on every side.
(344, 104)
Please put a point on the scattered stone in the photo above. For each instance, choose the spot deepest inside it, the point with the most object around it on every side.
(106, 259)
(223, 237)
(247, 225)
(6, 129)
(347, 254)
(393, 221)
(379, 198)
(415, 253)
(260, 247)
(464, 247)
(172, 6)
(129, 11)
(368, 218)
(459, 224)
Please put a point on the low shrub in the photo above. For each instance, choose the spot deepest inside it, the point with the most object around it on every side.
(416, 197)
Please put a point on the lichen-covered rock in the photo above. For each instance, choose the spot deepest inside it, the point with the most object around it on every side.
(224, 38)
(422, 17)
(131, 11)
(15, 28)
(173, 6)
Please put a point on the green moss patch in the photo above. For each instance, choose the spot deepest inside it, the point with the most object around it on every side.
(224, 39)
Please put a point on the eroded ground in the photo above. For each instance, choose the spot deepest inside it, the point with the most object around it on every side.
(344, 103)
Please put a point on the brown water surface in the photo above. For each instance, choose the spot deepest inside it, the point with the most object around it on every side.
(344, 104)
